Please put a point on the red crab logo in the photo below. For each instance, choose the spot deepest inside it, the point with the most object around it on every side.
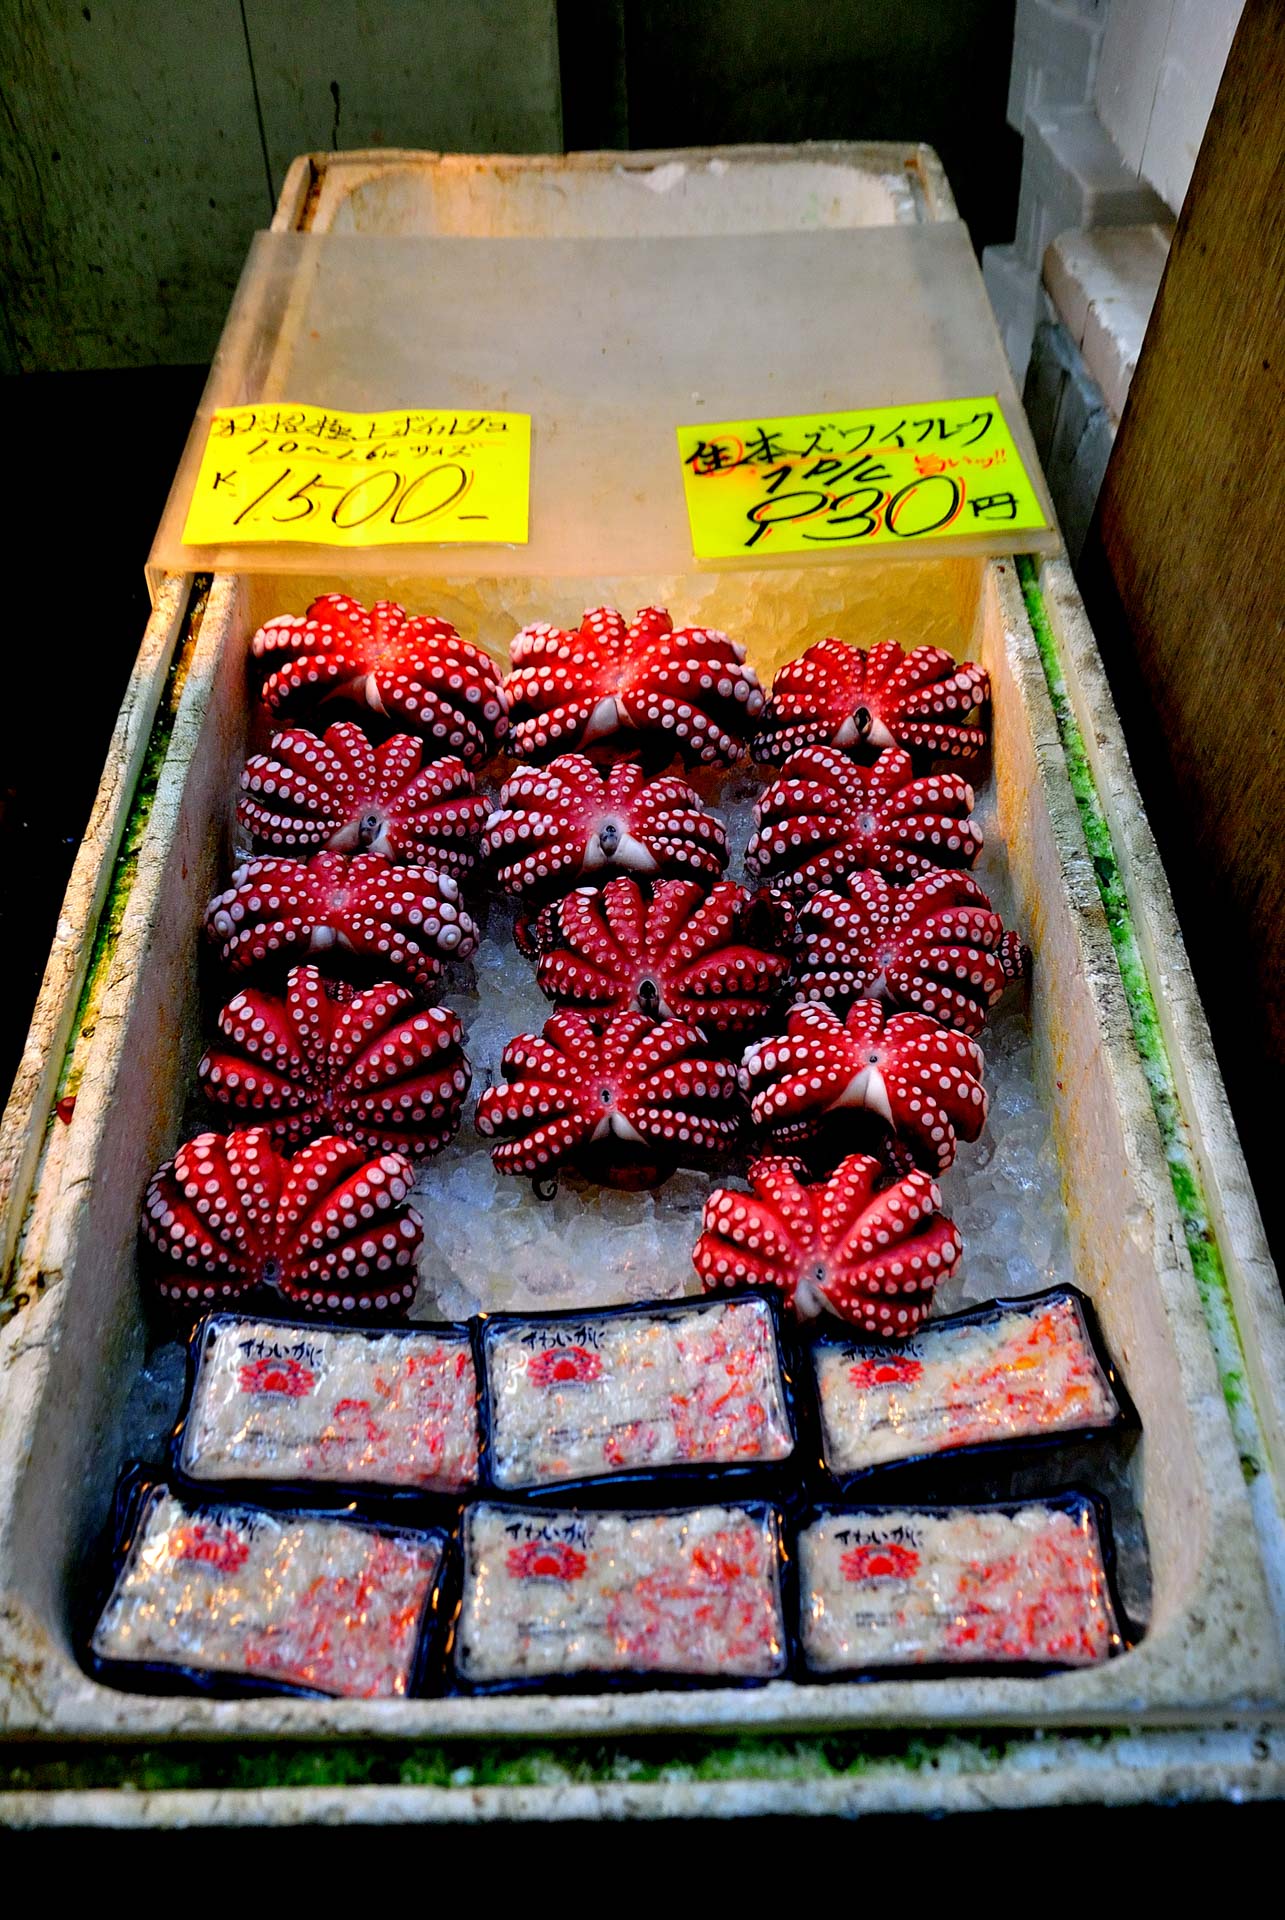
(218, 1547)
(560, 1365)
(891, 1562)
(277, 1376)
(884, 1373)
(544, 1560)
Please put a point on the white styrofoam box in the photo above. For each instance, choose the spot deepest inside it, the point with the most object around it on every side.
(1104, 284)
(1160, 64)
(1055, 55)
(1073, 176)
(1200, 37)
(1013, 289)
(1132, 48)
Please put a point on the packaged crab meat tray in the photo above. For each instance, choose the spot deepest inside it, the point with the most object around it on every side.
(564, 1066)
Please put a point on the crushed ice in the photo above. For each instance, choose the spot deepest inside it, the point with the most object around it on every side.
(490, 1244)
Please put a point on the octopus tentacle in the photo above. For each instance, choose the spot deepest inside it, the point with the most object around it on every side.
(638, 1087)
(689, 687)
(406, 919)
(331, 1229)
(836, 695)
(922, 1079)
(413, 669)
(868, 1250)
(567, 822)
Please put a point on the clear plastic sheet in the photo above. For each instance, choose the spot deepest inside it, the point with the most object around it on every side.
(575, 1399)
(609, 345)
(281, 1402)
(565, 1596)
(1025, 1587)
(1020, 1371)
(289, 1600)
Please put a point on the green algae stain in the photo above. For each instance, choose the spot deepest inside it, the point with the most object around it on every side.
(125, 871)
(837, 1758)
(1188, 1191)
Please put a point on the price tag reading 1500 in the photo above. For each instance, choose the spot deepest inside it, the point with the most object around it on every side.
(895, 475)
(302, 473)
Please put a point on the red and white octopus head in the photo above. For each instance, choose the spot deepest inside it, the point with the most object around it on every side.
(934, 947)
(414, 669)
(686, 688)
(568, 821)
(340, 793)
(407, 920)
(329, 1229)
(640, 1091)
(372, 1064)
(836, 695)
(671, 950)
(824, 818)
(869, 1250)
(923, 1080)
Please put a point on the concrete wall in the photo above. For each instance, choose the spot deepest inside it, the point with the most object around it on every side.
(146, 139)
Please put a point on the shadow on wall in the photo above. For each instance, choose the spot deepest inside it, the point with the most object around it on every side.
(663, 73)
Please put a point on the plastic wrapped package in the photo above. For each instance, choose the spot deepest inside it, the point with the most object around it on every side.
(319, 1406)
(678, 1390)
(1025, 1587)
(235, 1599)
(1010, 1373)
(569, 1598)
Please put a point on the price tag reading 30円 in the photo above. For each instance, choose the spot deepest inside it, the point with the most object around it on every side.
(418, 476)
(808, 482)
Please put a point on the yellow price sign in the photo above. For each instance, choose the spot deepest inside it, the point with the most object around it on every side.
(284, 471)
(886, 475)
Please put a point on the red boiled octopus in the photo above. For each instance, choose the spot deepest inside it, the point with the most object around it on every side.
(923, 1080)
(711, 958)
(934, 947)
(566, 822)
(836, 695)
(824, 818)
(330, 1229)
(640, 1097)
(870, 1251)
(612, 680)
(415, 669)
(340, 793)
(404, 919)
(372, 1065)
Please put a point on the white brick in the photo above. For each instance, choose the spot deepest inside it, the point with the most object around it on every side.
(1072, 176)
(1055, 56)
(1132, 49)
(1200, 37)
(1104, 285)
